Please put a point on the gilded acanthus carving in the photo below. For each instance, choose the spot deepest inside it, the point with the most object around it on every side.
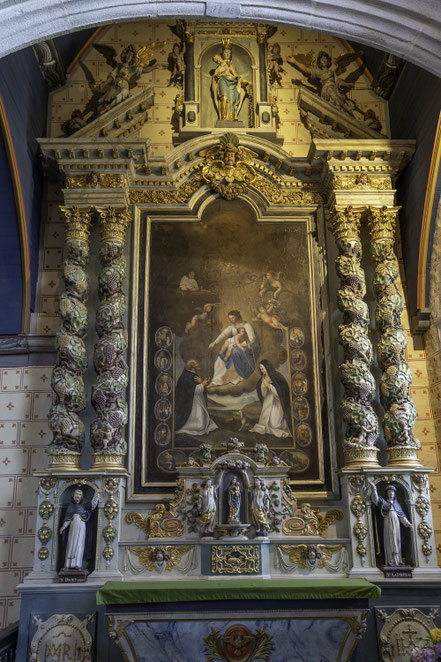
(112, 370)
(227, 167)
(67, 377)
(358, 414)
(96, 180)
(361, 181)
(167, 196)
(159, 523)
(396, 377)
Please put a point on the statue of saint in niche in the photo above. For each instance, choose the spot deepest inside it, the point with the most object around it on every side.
(227, 87)
(77, 531)
(234, 497)
(393, 517)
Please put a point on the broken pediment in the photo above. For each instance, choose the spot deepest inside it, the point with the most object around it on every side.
(323, 120)
(123, 120)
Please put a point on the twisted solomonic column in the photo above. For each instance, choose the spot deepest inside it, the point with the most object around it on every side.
(67, 381)
(400, 412)
(358, 414)
(106, 433)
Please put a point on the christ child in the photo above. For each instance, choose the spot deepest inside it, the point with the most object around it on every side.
(239, 340)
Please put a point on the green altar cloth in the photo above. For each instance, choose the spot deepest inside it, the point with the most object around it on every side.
(145, 592)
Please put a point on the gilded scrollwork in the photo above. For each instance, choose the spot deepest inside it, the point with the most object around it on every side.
(235, 559)
(359, 384)
(160, 523)
(67, 378)
(400, 412)
(309, 521)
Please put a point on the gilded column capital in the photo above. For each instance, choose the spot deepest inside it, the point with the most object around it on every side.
(113, 223)
(346, 222)
(189, 37)
(382, 222)
(77, 222)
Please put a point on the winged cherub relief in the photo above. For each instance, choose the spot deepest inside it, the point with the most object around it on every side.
(123, 76)
(227, 166)
(324, 75)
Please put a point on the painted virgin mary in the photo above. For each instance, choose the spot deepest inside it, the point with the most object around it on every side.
(227, 88)
(273, 392)
(234, 499)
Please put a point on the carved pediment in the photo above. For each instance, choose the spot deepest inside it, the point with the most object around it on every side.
(323, 120)
(125, 119)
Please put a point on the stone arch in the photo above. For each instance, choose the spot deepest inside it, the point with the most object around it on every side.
(409, 31)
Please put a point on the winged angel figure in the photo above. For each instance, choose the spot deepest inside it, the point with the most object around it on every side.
(123, 76)
(324, 76)
(227, 166)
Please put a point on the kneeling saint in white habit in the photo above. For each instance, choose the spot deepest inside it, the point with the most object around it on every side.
(191, 413)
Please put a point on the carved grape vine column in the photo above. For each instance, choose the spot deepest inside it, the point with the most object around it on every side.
(67, 377)
(106, 432)
(358, 414)
(400, 412)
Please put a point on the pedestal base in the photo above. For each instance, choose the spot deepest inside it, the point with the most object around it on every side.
(397, 571)
(403, 456)
(64, 461)
(365, 458)
(72, 576)
(108, 462)
(229, 124)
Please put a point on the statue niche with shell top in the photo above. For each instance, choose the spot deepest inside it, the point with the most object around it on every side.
(228, 88)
